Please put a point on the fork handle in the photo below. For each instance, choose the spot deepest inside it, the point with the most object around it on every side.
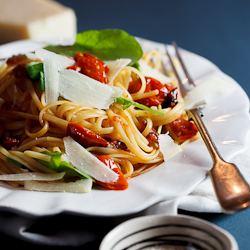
(195, 115)
(232, 190)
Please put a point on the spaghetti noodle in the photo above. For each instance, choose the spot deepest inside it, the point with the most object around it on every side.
(29, 126)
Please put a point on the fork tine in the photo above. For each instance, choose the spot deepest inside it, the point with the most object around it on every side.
(181, 86)
(182, 64)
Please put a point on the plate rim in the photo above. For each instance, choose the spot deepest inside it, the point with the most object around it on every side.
(57, 210)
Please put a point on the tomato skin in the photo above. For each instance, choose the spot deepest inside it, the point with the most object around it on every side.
(166, 93)
(16, 59)
(91, 66)
(172, 99)
(153, 84)
(121, 183)
(20, 71)
(184, 129)
(9, 142)
(84, 136)
(134, 86)
(119, 145)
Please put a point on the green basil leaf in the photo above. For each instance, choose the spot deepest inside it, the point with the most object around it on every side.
(41, 85)
(14, 162)
(69, 170)
(127, 103)
(65, 50)
(35, 71)
(107, 44)
(62, 166)
(137, 66)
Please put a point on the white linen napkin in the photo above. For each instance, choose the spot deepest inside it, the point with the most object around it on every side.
(203, 198)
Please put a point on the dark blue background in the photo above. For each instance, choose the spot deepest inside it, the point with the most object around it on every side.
(215, 29)
(218, 30)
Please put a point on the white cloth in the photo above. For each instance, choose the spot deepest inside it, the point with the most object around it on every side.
(203, 198)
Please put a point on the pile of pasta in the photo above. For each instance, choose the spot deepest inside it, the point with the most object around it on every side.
(34, 133)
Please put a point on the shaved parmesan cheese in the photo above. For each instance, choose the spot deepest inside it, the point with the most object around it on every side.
(52, 63)
(154, 73)
(39, 20)
(80, 186)
(207, 90)
(115, 68)
(31, 176)
(168, 147)
(85, 90)
(83, 160)
(62, 62)
(51, 81)
(75, 86)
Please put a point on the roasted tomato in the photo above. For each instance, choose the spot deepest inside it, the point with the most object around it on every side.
(172, 99)
(20, 71)
(166, 93)
(84, 136)
(91, 66)
(16, 59)
(184, 129)
(119, 145)
(121, 183)
(9, 142)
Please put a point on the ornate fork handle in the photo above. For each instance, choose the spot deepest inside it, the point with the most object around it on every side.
(232, 190)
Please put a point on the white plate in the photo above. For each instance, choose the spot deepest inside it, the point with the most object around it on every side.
(227, 121)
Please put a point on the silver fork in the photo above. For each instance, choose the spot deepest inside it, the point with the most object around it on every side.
(232, 190)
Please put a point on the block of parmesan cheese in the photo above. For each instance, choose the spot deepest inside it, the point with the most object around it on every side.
(35, 19)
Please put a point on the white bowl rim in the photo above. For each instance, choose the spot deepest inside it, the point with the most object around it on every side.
(160, 219)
